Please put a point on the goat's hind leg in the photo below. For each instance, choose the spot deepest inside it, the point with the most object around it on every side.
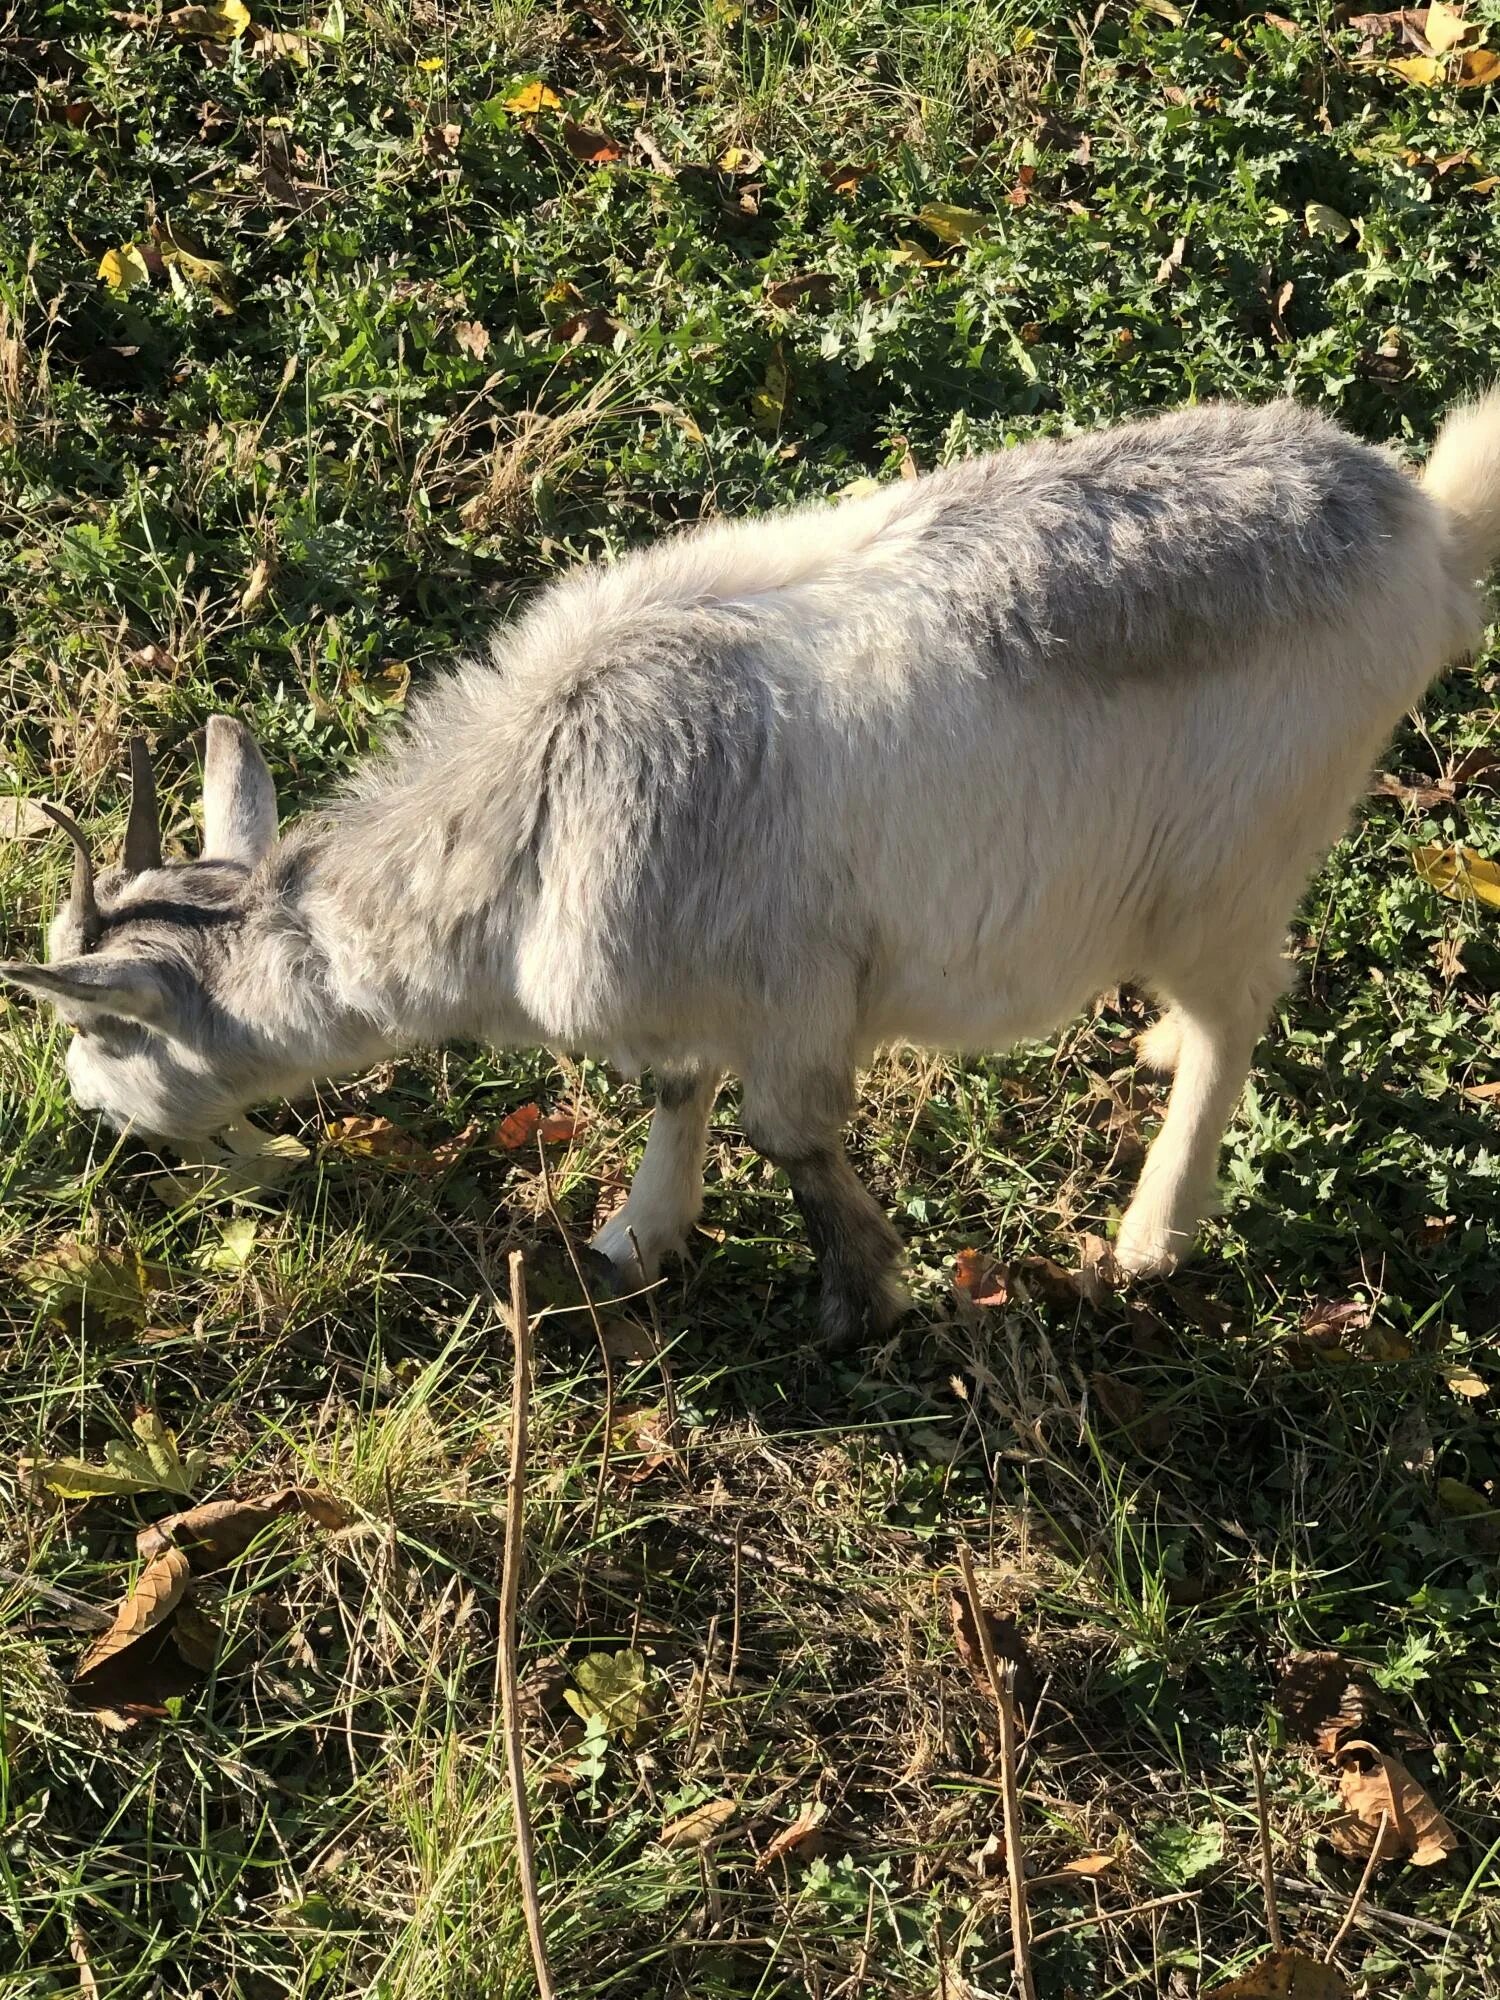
(795, 1123)
(666, 1194)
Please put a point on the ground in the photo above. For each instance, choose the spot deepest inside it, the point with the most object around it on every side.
(325, 339)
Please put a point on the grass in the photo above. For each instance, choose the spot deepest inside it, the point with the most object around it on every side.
(437, 367)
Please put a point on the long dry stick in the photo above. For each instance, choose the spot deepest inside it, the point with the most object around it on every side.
(1001, 1675)
(1359, 1894)
(1267, 1864)
(510, 1588)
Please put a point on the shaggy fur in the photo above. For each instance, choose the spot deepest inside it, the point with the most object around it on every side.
(935, 765)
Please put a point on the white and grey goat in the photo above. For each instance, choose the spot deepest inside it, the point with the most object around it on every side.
(933, 765)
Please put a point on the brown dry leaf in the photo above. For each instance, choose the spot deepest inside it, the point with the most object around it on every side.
(1373, 1783)
(1124, 1407)
(844, 179)
(152, 1599)
(740, 160)
(1463, 1381)
(1088, 1864)
(1478, 68)
(1324, 1698)
(23, 819)
(626, 1342)
(364, 1137)
(816, 288)
(1171, 264)
(792, 1839)
(981, 1280)
(1482, 1093)
(440, 142)
(528, 1122)
(1006, 1642)
(1285, 1975)
(78, 1951)
(646, 1432)
(197, 1637)
(220, 1531)
(595, 149)
(698, 1827)
(1282, 25)
(593, 328)
(987, 1863)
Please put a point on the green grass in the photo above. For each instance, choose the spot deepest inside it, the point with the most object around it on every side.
(285, 508)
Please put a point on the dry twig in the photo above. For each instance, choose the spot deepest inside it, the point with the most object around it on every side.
(1359, 1893)
(510, 1587)
(1002, 1679)
(1267, 1865)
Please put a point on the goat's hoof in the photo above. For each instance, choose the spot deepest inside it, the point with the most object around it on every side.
(1151, 1250)
(850, 1318)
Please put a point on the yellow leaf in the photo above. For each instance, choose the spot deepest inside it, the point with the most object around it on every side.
(1285, 1975)
(1325, 221)
(1165, 9)
(233, 1250)
(769, 403)
(124, 268)
(1464, 1382)
(1459, 872)
(613, 1687)
(151, 1465)
(950, 224)
(740, 160)
(529, 98)
(108, 1286)
(1425, 70)
(241, 1160)
(1443, 28)
(907, 252)
(221, 21)
(1478, 67)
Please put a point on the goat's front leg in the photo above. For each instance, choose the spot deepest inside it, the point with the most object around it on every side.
(667, 1191)
(795, 1124)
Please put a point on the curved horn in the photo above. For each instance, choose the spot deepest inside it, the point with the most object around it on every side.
(85, 906)
(143, 828)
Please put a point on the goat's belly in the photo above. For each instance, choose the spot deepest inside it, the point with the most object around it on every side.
(941, 1007)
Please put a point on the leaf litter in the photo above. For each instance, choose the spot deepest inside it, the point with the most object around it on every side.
(152, 1464)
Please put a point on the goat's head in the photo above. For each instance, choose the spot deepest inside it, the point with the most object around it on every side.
(137, 955)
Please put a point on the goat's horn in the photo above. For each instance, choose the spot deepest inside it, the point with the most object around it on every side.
(84, 903)
(143, 828)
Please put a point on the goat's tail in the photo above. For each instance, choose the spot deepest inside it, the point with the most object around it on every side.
(1463, 476)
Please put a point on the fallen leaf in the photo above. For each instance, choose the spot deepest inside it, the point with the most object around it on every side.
(1182, 1853)
(815, 287)
(769, 403)
(473, 337)
(981, 1280)
(1478, 68)
(1373, 1783)
(624, 1341)
(527, 1123)
(233, 1251)
(1282, 25)
(385, 686)
(440, 142)
(952, 225)
(987, 1863)
(125, 267)
(240, 1160)
(1020, 194)
(1166, 10)
(1124, 1408)
(1171, 264)
(220, 1531)
(1443, 28)
(907, 252)
(789, 1839)
(1463, 1381)
(364, 1137)
(1324, 1698)
(256, 586)
(844, 179)
(698, 1827)
(1322, 220)
(527, 99)
(740, 160)
(78, 1951)
(1459, 1500)
(645, 1433)
(1287, 1974)
(23, 819)
(223, 21)
(197, 1637)
(152, 1599)
(1006, 1642)
(1482, 1093)
(1459, 872)
(1423, 70)
(616, 1688)
(595, 149)
(593, 327)
(266, 44)
(151, 1465)
(1087, 1865)
(108, 1286)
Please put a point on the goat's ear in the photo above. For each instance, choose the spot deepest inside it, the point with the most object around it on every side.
(239, 799)
(131, 989)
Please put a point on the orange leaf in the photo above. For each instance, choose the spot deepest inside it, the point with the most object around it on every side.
(1375, 1786)
(980, 1280)
(795, 1836)
(595, 149)
(152, 1599)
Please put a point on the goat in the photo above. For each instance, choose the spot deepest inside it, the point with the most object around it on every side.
(936, 764)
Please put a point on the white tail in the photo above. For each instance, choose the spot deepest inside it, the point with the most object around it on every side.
(1463, 476)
